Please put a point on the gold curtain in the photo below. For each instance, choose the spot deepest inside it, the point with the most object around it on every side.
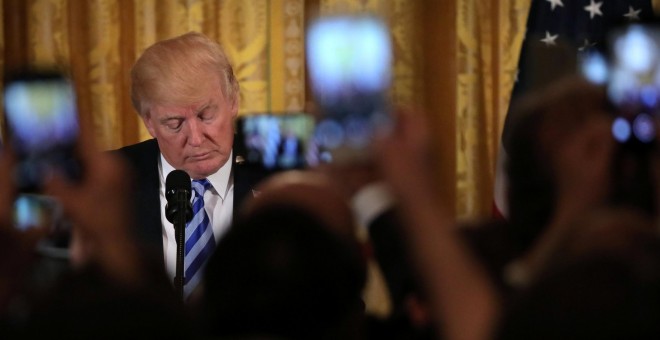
(99, 40)
(454, 59)
(490, 34)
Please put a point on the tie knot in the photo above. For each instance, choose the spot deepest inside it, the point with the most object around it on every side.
(200, 185)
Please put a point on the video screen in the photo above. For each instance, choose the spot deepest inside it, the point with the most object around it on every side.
(276, 141)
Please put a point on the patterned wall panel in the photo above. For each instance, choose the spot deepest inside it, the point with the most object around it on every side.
(103, 57)
(48, 42)
(244, 35)
(287, 55)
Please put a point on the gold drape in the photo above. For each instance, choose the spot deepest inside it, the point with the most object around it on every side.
(490, 34)
(454, 59)
(99, 40)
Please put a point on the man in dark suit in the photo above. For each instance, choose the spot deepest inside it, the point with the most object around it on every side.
(185, 91)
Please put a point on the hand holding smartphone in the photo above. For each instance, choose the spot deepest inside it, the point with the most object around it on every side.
(43, 129)
(629, 69)
(349, 60)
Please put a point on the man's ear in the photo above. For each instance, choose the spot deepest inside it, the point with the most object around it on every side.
(234, 106)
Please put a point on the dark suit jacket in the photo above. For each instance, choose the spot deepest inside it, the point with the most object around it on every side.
(143, 158)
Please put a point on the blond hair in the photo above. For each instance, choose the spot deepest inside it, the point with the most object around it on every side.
(173, 70)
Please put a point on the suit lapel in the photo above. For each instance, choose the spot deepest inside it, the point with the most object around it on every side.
(148, 197)
(246, 177)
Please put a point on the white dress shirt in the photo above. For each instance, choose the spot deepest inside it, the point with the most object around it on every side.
(218, 203)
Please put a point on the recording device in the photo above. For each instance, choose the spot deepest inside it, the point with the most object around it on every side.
(276, 142)
(349, 61)
(42, 125)
(43, 129)
(629, 69)
(178, 192)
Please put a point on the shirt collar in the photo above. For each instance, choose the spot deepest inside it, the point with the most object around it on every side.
(219, 180)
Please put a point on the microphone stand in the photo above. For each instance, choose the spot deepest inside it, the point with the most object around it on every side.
(180, 220)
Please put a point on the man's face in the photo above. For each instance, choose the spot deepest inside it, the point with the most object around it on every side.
(195, 137)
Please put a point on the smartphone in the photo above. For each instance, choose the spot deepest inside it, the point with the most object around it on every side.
(36, 211)
(275, 142)
(42, 126)
(629, 68)
(349, 59)
(40, 211)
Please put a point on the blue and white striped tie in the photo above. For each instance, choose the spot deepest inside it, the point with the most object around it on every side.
(200, 242)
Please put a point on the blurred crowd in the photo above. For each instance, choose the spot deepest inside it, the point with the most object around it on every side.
(577, 257)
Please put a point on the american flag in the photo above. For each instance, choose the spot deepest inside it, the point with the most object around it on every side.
(557, 32)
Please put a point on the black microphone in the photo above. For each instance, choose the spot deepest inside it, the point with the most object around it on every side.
(178, 192)
(178, 211)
